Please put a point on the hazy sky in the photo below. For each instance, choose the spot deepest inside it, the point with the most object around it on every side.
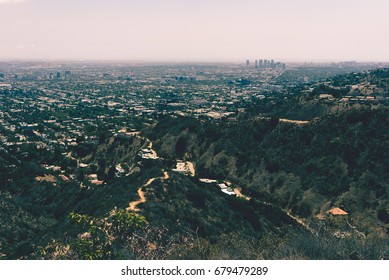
(195, 30)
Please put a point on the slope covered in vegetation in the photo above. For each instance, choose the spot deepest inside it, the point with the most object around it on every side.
(337, 160)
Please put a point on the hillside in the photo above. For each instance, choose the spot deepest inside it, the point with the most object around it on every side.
(339, 160)
(293, 173)
(45, 213)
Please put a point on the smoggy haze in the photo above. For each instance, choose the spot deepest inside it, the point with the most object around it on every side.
(202, 30)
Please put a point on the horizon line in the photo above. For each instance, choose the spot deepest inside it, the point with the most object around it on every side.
(188, 61)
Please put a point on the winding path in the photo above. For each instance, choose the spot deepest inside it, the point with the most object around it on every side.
(301, 222)
(142, 198)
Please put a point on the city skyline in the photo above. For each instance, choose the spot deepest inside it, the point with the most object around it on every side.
(205, 31)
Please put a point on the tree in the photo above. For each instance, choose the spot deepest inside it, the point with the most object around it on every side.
(97, 238)
(181, 146)
(111, 173)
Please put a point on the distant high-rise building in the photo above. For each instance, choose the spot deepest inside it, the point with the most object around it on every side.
(247, 62)
(265, 63)
(58, 75)
(256, 63)
(1, 76)
(67, 74)
(345, 64)
(260, 63)
(272, 64)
